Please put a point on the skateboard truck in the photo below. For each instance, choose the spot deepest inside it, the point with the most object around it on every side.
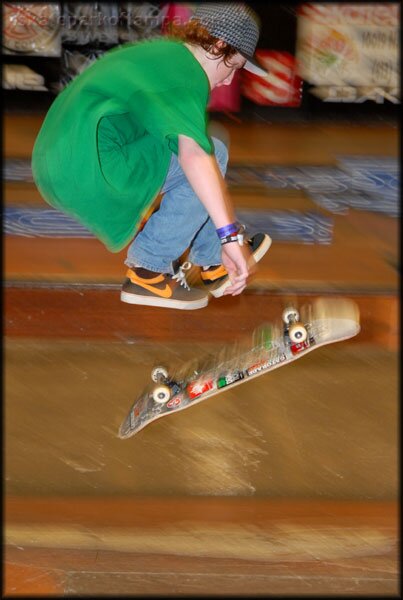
(162, 392)
(159, 374)
(296, 330)
(166, 387)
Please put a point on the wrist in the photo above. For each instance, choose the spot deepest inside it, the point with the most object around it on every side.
(234, 237)
(227, 230)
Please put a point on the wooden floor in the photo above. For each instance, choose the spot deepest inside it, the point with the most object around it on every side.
(201, 547)
(268, 143)
(71, 313)
(287, 486)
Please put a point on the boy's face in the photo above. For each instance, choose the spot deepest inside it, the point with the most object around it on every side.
(225, 73)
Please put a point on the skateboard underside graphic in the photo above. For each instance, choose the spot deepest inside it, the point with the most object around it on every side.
(325, 321)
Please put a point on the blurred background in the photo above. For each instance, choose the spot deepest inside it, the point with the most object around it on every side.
(287, 485)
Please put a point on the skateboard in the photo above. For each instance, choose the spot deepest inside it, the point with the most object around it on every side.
(274, 345)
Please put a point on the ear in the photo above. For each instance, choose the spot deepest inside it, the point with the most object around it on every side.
(218, 47)
(220, 44)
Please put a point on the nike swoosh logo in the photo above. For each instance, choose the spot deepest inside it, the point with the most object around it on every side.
(165, 292)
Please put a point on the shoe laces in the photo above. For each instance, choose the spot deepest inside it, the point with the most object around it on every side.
(180, 276)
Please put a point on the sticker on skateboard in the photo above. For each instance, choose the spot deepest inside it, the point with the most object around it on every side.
(325, 321)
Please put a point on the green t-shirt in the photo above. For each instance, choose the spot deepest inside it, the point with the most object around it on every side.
(104, 149)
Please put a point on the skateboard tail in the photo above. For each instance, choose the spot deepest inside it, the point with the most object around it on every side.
(335, 319)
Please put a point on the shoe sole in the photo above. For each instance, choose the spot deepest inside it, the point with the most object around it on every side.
(163, 302)
(258, 255)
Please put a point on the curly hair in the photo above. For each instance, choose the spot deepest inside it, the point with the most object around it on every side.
(194, 33)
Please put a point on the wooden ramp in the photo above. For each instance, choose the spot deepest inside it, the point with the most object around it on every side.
(362, 257)
(287, 485)
(50, 278)
(200, 547)
(286, 488)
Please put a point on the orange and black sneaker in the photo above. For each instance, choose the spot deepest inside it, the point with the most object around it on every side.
(164, 290)
(216, 279)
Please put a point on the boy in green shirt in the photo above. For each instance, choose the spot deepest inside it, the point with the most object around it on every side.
(134, 125)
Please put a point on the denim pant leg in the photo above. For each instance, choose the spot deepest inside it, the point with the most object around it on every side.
(181, 222)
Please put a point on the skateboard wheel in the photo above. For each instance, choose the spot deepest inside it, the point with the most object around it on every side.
(161, 394)
(290, 315)
(159, 374)
(297, 333)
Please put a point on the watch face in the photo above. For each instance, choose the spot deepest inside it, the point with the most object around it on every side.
(31, 29)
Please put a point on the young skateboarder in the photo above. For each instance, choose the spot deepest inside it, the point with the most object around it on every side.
(134, 125)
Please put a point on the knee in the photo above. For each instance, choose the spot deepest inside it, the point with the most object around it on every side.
(221, 154)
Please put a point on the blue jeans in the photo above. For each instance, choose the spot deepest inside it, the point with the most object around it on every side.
(181, 222)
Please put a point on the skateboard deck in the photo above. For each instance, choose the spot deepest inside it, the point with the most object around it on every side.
(274, 345)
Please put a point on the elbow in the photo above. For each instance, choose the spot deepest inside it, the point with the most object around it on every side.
(189, 151)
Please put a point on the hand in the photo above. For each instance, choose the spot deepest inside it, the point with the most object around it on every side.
(239, 263)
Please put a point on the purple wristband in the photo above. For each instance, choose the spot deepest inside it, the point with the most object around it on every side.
(223, 232)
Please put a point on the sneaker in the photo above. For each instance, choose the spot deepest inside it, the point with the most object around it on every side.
(164, 290)
(216, 278)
